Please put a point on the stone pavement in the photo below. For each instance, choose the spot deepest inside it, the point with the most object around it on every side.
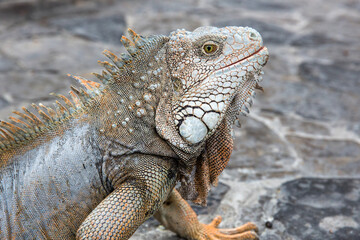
(296, 166)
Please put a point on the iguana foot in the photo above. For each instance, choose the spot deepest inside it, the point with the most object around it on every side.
(177, 216)
(247, 231)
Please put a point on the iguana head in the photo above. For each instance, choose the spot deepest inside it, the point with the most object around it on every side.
(214, 71)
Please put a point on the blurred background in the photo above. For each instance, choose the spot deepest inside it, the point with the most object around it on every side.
(295, 168)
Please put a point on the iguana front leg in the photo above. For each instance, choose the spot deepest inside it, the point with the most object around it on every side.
(177, 215)
(148, 182)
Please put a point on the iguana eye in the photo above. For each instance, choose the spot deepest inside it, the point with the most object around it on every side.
(210, 48)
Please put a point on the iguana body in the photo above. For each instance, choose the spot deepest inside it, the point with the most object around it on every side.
(99, 166)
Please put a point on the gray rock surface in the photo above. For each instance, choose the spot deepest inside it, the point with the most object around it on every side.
(296, 163)
(317, 209)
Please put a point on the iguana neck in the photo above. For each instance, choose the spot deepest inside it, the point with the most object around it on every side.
(124, 116)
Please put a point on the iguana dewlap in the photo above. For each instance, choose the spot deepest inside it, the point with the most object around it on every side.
(98, 166)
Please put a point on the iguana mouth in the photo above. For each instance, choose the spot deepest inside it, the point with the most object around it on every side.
(244, 58)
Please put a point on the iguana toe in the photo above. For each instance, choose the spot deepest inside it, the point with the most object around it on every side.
(247, 231)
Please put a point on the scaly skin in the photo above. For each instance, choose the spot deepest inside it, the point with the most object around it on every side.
(98, 166)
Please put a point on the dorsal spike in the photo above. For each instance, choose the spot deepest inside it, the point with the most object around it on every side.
(20, 121)
(37, 120)
(92, 84)
(126, 42)
(75, 97)
(91, 87)
(63, 110)
(2, 142)
(109, 67)
(43, 115)
(117, 61)
(80, 80)
(6, 135)
(134, 36)
(109, 78)
(50, 111)
(60, 112)
(24, 116)
(13, 130)
(65, 99)
(81, 94)
(130, 46)
(85, 95)
(75, 90)
(101, 78)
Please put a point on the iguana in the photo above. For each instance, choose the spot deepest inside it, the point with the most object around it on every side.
(98, 166)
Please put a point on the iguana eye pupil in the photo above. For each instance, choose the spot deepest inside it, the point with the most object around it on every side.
(210, 48)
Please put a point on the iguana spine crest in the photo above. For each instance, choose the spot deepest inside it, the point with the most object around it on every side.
(29, 126)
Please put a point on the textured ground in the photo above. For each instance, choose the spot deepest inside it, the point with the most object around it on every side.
(296, 162)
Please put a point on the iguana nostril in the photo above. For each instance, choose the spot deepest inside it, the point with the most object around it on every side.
(253, 36)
